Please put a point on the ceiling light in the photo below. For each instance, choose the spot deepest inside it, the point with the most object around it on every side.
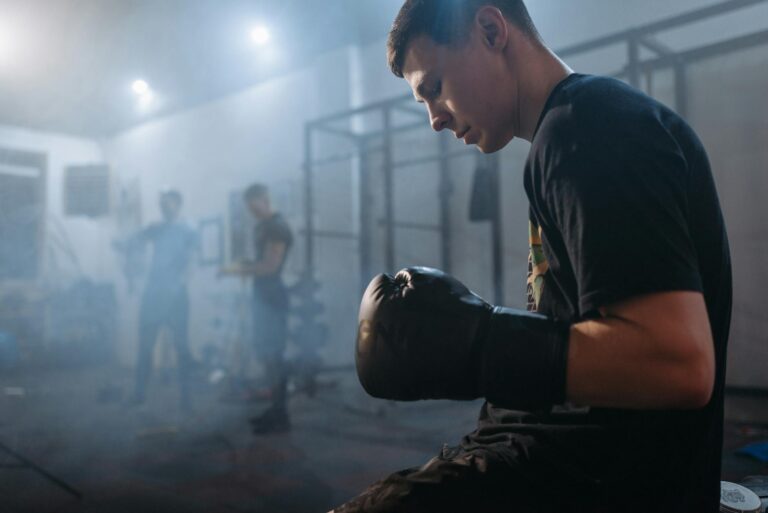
(140, 87)
(260, 35)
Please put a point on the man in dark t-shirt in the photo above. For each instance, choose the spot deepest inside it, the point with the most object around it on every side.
(273, 240)
(608, 394)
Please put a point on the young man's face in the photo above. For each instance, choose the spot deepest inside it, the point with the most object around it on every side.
(259, 207)
(464, 90)
(169, 207)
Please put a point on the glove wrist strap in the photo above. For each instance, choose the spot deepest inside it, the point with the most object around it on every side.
(524, 360)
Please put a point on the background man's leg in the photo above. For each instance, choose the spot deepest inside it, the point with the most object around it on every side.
(148, 330)
(179, 325)
(271, 334)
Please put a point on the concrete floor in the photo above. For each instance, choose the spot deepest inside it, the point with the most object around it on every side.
(154, 458)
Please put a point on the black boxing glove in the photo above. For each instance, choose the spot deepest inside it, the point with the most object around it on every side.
(424, 335)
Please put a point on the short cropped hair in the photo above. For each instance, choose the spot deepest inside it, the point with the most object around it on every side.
(446, 22)
(256, 191)
(171, 194)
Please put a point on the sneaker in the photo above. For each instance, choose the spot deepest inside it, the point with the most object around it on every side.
(273, 420)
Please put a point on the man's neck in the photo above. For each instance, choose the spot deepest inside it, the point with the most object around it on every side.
(536, 85)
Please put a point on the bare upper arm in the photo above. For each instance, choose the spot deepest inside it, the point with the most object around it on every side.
(682, 313)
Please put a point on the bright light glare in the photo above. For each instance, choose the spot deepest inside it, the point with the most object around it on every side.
(140, 87)
(146, 99)
(145, 96)
(260, 35)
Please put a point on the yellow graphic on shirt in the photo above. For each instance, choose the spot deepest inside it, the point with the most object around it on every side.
(537, 267)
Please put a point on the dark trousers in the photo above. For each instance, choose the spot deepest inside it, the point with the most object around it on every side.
(515, 474)
(164, 309)
(534, 467)
(270, 327)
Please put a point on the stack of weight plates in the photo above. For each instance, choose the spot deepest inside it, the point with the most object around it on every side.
(737, 499)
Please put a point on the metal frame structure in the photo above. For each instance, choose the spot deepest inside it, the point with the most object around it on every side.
(361, 143)
(636, 67)
(664, 57)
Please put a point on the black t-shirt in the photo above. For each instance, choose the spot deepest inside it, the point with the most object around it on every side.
(623, 203)
(271, 288)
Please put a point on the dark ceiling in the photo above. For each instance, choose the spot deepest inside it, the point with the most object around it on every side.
(67, 65)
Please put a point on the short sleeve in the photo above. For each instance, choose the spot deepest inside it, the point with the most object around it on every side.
(622, 218)
(148, 234)
(279, 232)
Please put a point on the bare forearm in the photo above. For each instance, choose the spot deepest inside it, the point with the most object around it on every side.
(610, 365)
(249, 269)
(639, 362)
(257, 269)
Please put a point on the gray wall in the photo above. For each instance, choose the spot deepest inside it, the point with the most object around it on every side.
(725, 108)
(256, 135)
(729, 111)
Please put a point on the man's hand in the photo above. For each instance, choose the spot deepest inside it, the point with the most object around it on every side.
(424, 335)
(234, 269)
(269, 264)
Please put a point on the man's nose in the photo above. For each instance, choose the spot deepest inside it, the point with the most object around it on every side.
(439, 119)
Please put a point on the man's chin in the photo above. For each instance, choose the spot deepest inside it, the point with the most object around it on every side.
(488, 147)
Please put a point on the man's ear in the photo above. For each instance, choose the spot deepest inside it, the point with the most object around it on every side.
(493, 27)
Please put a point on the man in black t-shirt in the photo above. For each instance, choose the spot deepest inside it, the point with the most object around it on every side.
(608, 394)
(273, 239)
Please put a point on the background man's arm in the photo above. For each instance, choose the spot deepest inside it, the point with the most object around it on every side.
(270, 264)
(653, 351)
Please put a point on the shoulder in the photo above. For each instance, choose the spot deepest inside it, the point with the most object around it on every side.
(181, 226)
(180, 230)
(602, 125)
(592, 109)
(277, 228)
(152, 230)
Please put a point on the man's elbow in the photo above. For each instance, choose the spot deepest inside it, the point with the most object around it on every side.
(697, 383)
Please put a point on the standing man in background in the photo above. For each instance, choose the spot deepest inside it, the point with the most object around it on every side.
(273, 239)
(165, 303)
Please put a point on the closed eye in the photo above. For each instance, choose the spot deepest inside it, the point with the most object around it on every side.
(423, 94)
(435, 92)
